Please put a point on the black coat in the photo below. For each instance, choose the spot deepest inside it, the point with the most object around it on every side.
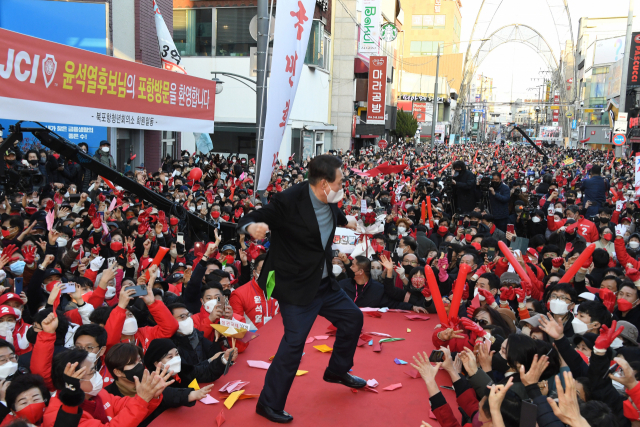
(372, 295)
(465, 191)
(296, 253)
(204, 348)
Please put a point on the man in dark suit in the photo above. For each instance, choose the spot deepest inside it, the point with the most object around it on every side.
(302, 221)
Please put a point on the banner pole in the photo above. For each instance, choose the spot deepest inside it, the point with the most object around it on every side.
(261, 94)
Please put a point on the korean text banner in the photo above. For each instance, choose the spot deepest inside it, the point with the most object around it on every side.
(369, 28)
(292, 29)
(377, 96)
(46, 81)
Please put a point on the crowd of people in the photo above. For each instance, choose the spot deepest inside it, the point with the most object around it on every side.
(102, 325)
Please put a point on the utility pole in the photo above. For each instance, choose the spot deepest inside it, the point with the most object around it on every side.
(625, 68)
(434, 116)
(261, 92)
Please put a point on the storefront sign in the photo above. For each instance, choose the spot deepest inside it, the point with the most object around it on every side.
(419, 111)
(389, 32)
(50, 82)
(369, 27)
(376, 98)
(634, 62)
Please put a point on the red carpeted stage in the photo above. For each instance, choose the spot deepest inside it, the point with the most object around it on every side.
(313, 402)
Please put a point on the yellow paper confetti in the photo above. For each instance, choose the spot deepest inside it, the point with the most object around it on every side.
(233, 397)
(408, 330)
(272, 357)
(323, 348)
(194, 385)
(300, 373)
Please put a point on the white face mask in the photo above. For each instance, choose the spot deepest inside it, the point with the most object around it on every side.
(96, 383)
(199, 207)
(192, 208)
(185, 327)
(61, 241)
(402, 230)
(92, 357)
(333, 196)
(633, 244)
(408, 205)
(579, 195)
(558, 210)
(557, 306)
(111, 292)
(8, 369)
(210, 305)
(7, 328)
(337, 270)
(579, 327)
(105, 149)
(130, 326)
(175, 364)
(523, 189)
(375, 274)
(617, 343)
(251, 170)
(400, 251)
(535, 219)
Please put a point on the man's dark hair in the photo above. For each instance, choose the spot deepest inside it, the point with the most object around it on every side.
(93, 330)
(411, 242)
(600, 258)
(629, 284)
(22, 383)
(521, 349)
(60, 360)
(121, 355)
(509, 409)
(498, 174)
(562, 287)
(494, 280)
(459, 164)
(598, 413)
(597, 311)
(176, 305)
(323, 167)
(615, 279)
(364, 263)
(595, 170)
(5, 343)
(100, 315)
(210, 285)
(259, 258)
(489, 242)
(573, 209)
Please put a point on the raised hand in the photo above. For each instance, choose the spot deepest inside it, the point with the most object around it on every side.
(607, 335)
(628, 380)
(472, 326)
(507, 294)
(449, 334)
(567, 408)
(557, 262)
(425, 368)
(538, 366)
(486, 296)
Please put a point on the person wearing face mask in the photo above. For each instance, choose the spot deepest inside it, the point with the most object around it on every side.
(213, 308)
(125, 361)
(499, 196)
(302, 222)
(163, 354)
(561, 299)
(366, 292)
(9, 317)
(103, 155)
(250, 301)
(27, 398)
(621, 251)
(606, 241)
(627, 307)
(73, 370)
(85, 172)
(125, 324)
(464, 185)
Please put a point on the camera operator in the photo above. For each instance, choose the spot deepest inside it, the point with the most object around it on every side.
(499, 196)
(464, 185)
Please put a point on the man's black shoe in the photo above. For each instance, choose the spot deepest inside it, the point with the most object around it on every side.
(272, 414)
(344, 379)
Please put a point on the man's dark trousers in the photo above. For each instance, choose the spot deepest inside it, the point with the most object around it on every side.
(333, 305)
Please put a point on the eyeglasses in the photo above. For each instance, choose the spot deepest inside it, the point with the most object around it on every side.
(413, 263)
(481, 322)
(184, 316)
(560, 297)
(11, 357)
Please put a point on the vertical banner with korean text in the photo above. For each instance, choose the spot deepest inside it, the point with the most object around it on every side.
(376, 98)
(291, 36)
(637, 176)
(369, 27)
(171, 59)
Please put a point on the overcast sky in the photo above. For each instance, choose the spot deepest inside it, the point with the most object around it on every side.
(515, 62)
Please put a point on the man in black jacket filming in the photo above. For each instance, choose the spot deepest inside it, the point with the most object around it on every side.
(464, 185)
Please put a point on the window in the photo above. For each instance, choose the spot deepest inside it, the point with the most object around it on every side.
(440, 21)
(319, 143)
(232, 31)
(168, 144)
(424, 22)
(426, 47)
(192, 31)
(318, 49)
(456, 25)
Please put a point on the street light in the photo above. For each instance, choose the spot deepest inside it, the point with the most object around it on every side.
(218, 85)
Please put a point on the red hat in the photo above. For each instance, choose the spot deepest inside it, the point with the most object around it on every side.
(476, 245)
(6, 310)
(10, 297)
(626, 218)
(532, 252)
(146, 263)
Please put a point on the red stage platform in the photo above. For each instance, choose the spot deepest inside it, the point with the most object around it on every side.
(313, 402)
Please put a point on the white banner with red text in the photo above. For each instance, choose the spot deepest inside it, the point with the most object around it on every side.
(49, 82)
(291, 36)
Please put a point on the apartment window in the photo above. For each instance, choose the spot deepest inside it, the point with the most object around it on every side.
(424, 22)
(425, 47)
(319, 143)
(169, 144)
(318, 52)
(456, 26)
(192, 31)
(440, 21)
(232, 31)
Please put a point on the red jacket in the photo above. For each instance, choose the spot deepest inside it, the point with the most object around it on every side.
(121, 411)
(455, 344)
(167, 325)
(623, 256)
(202, 323)
(585, 228)
(250, 300)
(467, 401)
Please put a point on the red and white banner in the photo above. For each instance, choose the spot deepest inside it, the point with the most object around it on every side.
(377, 96)
(49, 82)
(292, 29)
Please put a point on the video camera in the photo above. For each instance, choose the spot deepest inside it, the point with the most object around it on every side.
(485, 183)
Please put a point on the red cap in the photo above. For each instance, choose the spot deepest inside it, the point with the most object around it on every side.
(532, 252)
(6, 310)
(10, 297)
